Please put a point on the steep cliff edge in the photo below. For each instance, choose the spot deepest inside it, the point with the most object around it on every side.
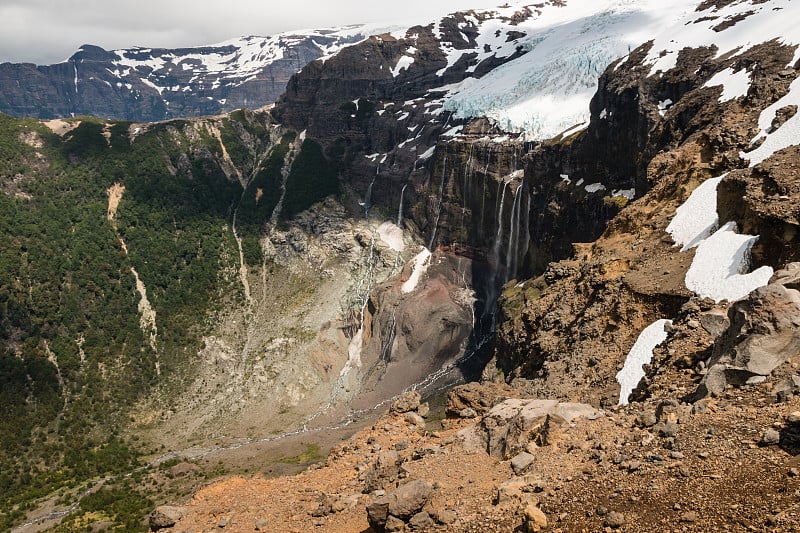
(567, 333)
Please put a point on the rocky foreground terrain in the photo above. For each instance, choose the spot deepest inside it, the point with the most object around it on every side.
(368, 236)
(498, 464)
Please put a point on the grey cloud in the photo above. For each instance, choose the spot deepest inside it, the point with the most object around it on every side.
(49, 31)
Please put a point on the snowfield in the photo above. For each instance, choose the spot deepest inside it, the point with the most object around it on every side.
(547, 90)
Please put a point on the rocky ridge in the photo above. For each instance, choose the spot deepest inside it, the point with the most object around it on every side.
(149, 84)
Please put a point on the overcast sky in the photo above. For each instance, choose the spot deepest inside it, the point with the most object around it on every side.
(49, 31)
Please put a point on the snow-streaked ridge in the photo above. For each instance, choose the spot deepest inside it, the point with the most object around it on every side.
(233, 61)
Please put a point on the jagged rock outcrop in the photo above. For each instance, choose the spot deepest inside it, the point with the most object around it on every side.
(764, 332)
(509, 427)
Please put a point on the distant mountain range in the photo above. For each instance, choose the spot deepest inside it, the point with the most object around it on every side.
(147, 84)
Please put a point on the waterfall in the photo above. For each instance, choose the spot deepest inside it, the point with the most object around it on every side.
(527, 225)
(513, 243)
(499, 237)
(485, 179)
(400, 208)
(441, 197)
(465, 189)
(368, 195)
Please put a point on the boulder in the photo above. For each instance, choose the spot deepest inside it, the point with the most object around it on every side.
(413, 419)
(394, 524)
(509, 426)
(165, 516)
(406, 402)
(517, 489)
(764, 332)
(521, 462)
(535, 519)
(383, 472)
(421, 521)
(403, 503)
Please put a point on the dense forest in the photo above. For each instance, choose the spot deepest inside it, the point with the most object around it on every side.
(75, 354)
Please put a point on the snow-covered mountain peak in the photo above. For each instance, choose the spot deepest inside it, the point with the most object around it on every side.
(234, 61)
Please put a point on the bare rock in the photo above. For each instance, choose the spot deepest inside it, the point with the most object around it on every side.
(471, 439)
(421, 521)
(764, 330)
(383, 472)
(378, 513)
(403, 503)
(646, 419)
(614, 520)
(715, 322)
(770, 437)
(407, 402)
(165, 516)
(476, 398)
(509, 426)
(446, 517)
(517, 489)
(413, 419)
(261, 524)
(521, 462)
(535, 519)
(394, 524)
(782, 115)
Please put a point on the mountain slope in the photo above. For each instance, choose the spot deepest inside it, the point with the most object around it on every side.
(146, 84)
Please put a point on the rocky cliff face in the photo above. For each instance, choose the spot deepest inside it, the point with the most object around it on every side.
(144, 84)
(567, 333)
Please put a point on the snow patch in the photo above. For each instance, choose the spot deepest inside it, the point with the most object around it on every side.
(428, 153)
(404, 62)
(421, 262)
(630, 194)
(354, 352)
(641, 354)
(697, 218)
(734, 84)
(720, 263)
(595, 187)
(392, 236)
(787, 135)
